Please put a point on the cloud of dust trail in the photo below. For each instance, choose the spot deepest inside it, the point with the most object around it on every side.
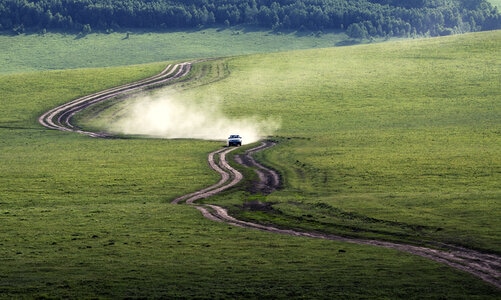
(166, 116)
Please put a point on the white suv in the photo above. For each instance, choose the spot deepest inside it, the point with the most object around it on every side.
(234, 140)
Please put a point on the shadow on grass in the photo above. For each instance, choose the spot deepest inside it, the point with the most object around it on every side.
(348, 42)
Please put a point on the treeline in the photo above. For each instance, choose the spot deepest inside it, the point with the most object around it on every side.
(360, 18)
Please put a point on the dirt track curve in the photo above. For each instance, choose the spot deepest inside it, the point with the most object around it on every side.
(485, 266)
(60, 117)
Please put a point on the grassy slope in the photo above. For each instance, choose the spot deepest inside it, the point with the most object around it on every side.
(83, 217)
(37, 151)
(397, 139)
(25, 53)
(496, 3)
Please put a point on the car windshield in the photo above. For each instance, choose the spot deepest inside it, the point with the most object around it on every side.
(234, 136)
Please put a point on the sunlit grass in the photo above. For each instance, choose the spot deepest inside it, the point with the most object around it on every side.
(496, 3)
(406, 132)
(90, 218)
(23, 53)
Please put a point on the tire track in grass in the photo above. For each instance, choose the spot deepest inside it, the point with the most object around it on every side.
(224, 169)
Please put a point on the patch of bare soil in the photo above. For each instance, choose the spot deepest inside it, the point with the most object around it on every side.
(268, 179)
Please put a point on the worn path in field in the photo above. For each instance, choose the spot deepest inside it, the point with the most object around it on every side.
(60, 117)
(485, 266)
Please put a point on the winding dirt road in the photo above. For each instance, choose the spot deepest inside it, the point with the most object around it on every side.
(222, 167)
(60, 117)
(485, 266)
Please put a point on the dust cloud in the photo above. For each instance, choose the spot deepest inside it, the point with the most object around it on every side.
(167, 116)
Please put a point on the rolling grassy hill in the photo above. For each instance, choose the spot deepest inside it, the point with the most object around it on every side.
(384, 136)
(396, 140)
(496, 3)
(52, 51)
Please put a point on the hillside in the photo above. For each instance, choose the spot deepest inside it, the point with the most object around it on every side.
(365, 132)
(59, 50)
(397, 141)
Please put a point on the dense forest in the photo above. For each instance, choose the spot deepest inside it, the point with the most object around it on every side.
(359, 18)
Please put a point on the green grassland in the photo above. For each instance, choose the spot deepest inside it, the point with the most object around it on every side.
(496, 3)
(86, 218)
(28, 52)
(396, 140)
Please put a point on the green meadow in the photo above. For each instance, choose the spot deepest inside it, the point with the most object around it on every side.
(397, 141)
(52, 50)
(496, 3)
